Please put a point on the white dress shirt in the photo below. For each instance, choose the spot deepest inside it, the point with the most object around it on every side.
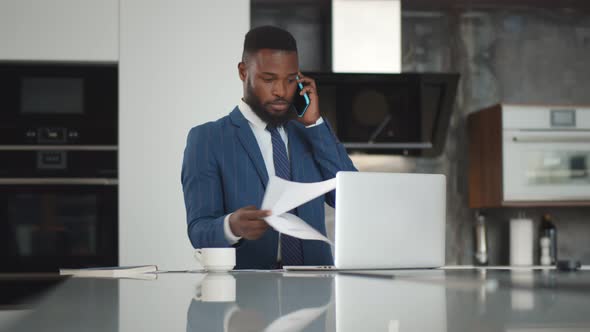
(264, 141)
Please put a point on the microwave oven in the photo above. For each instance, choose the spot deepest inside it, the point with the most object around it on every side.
(58, 103)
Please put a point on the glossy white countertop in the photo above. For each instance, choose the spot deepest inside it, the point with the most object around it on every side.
(412, 300)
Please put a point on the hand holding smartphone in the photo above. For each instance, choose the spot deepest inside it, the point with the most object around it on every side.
(300, 102)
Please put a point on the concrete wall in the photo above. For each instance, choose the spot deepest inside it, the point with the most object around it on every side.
(504, 54)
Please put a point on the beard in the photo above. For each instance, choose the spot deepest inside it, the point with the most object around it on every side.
(260, 109)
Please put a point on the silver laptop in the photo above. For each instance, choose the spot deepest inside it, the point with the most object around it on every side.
(388, 221)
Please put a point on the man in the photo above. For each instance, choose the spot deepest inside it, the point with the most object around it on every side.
(227, 163)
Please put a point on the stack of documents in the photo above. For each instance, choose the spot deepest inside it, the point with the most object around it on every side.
(139, 272)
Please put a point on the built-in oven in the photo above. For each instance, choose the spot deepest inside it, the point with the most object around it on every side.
(58, 166)
(58, 208)
(546, 154)
(47, 224)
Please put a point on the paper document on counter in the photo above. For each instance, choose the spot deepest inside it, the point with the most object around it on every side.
(282, 196)
(114, 272)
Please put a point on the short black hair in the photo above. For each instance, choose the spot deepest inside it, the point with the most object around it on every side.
(269, 37)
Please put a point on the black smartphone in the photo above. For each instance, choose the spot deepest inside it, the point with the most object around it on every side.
(300, 102)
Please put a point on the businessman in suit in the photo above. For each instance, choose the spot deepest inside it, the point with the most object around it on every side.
(227, 163)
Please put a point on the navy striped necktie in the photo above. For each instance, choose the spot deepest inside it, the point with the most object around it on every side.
(291, 249)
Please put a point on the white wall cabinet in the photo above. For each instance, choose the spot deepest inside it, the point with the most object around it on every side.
(59, 30)
(178, 68)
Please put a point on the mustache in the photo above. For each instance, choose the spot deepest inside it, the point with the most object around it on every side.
(279, 101)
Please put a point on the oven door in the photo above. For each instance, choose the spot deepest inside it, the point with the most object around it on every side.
(546, 165)
(47, 224)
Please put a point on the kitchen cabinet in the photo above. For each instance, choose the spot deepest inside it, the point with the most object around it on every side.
(59, 30)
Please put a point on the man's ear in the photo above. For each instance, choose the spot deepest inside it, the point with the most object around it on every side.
(242, 71)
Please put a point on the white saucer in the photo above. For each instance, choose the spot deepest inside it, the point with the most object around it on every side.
(219, 268)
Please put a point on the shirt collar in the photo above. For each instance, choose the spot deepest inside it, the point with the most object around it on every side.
(249, 114)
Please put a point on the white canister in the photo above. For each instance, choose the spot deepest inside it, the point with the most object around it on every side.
(521, 241)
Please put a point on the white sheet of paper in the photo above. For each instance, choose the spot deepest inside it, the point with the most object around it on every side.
(282, 196)
(291, 224)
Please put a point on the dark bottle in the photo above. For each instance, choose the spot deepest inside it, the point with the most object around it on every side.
(547, 229)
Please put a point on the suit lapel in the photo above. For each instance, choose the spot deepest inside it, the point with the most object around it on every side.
(249, 143)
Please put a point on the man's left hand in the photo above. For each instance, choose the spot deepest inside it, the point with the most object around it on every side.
(312, 115)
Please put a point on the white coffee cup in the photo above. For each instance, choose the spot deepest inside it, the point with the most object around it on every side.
(216, 259)
(217, 287)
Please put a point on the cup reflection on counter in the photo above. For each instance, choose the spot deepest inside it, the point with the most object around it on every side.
(216, 287)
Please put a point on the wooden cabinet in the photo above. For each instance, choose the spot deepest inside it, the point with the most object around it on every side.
(485, 158)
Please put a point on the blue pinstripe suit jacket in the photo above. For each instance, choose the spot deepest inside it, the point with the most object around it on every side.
(223, 170)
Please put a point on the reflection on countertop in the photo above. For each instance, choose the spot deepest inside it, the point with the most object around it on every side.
(263, 301)
(413, 300)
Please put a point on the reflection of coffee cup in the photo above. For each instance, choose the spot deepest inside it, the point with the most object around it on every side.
(217, 287)
(216, 259)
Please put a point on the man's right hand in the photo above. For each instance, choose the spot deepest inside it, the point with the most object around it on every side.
(247, 222)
